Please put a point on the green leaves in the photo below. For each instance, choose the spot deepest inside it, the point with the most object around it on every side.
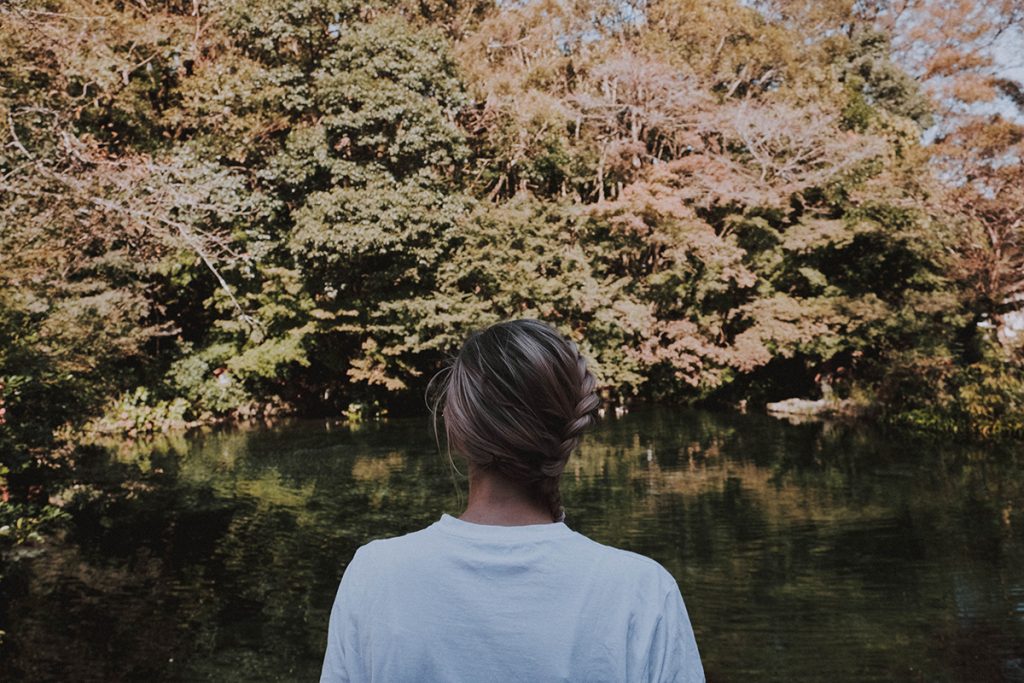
(388, 96)
(316, 201)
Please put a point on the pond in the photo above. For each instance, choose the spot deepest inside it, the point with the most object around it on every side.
(815, 552)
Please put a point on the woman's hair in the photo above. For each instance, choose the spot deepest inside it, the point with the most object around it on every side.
(516, 400)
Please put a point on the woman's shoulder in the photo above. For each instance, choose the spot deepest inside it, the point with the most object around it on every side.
(554, 545)
(381, 548)
(626, 563)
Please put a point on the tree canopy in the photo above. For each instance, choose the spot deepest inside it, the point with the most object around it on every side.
(243, 206)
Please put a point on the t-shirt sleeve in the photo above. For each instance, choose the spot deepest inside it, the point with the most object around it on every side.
(673, 656)
(341, 658)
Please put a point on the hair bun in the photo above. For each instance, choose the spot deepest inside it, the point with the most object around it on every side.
(517, 399)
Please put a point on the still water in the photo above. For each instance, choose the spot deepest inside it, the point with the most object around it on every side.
(804, 552)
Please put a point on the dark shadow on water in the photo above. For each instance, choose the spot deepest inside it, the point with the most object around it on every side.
(805, 553)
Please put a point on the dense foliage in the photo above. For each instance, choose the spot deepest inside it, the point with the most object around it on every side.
(242, 206)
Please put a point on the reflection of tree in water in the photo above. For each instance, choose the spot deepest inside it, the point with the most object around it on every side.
(210, 558)
(82, 638)
(825, 548)
(811, 551)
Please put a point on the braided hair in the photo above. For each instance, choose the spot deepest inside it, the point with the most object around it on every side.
(516, 401)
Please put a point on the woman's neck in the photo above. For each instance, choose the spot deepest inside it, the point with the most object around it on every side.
(495, 500)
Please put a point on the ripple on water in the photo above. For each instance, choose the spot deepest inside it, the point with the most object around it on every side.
(804, 553)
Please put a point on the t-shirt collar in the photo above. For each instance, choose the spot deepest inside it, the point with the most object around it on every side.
(497, 533)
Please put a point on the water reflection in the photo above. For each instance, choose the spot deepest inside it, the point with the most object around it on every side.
(809, 552)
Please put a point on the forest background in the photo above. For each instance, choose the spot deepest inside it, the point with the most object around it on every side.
(234, 208)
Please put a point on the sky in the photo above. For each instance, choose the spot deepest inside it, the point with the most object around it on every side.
(1009, 56)
(1010, 53)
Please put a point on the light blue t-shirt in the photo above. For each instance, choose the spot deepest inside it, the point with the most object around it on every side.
(459, 601)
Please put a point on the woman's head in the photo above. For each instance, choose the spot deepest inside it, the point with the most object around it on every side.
(517, 399)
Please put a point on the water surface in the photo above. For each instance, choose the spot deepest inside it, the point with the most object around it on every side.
(804, 553)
